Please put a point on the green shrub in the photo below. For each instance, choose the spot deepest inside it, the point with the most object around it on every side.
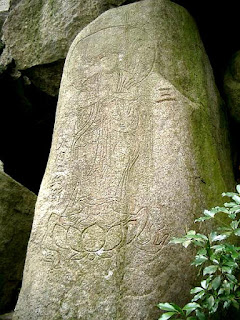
(218, 262)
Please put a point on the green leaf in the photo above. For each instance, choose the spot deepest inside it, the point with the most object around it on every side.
(201, 219)
(218, 248)
(216, 282)
(220, 209)
(167, 315)
(204, 284)
(202, 251)
(191, 232)
(217, 237)
(200, 315)
(196, 290)
(168, 307)
(177, 240)
(235, 304)
(227, 269)
(209, 213)
(229, 204)
(198, 236)
(232, 278)
(238, 188)
(187, 243)
(233, 209)
(177, 308)
(210, 302)
(191, 307)
(210, 270)
(215, 307)
(234, 224)
(198, 295)
(237, 232)
(200, 259)
(232, 215)
(236, 199)
(231, 264)
(226, 286)
(229, 194)
(227, 304)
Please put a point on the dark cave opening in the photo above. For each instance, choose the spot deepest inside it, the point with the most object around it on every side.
(27, 121)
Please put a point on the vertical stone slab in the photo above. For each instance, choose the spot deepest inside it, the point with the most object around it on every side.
(137, 151)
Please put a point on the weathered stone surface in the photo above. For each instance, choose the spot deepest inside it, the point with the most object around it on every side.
(6, 316)
(139, 148)
(47, 77)
(4, 5)
(40, 32)
(232, 87)
(3, 16)
(16, 214)
(1, 166)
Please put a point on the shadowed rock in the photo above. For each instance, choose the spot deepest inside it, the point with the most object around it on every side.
(232, 87)
(16, 214)
(139, 148)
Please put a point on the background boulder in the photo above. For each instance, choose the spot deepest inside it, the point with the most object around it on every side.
(16, 215)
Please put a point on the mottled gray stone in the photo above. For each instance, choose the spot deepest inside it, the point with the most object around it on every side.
(46, 77)
(232, 87)
(3, 17)
(16, 214)
(4, 5)
(39, 33)
(6, 316)
(139, 148)
(1, 166)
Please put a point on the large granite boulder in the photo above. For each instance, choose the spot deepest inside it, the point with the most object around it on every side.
(41, 32)
(16, 214)
(139, 148)
(232, 87)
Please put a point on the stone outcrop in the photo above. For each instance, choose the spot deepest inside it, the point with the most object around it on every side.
(6, 316)
(39, 33)
(139, 148)
(232, 87)
(16, 214)
(4, 5)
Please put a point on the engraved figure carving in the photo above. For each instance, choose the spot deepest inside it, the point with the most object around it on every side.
(96, 166)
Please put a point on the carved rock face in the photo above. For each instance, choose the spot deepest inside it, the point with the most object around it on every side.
(133, 160)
